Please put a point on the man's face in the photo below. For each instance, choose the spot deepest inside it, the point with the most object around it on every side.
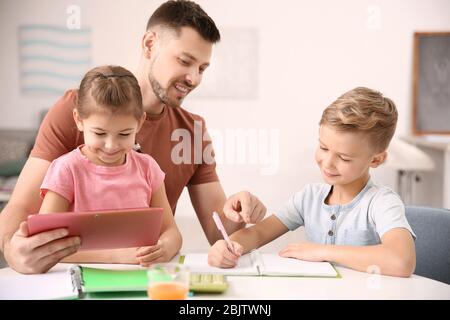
(177, 65)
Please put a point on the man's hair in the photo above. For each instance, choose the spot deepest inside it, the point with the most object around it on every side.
(175, 14)
(364, 110)
(112, 88)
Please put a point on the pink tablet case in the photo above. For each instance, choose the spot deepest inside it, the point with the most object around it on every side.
(104, 229)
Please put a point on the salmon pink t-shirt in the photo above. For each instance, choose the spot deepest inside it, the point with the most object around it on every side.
(88, 186)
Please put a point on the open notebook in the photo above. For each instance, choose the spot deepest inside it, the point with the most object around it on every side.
(263, 264)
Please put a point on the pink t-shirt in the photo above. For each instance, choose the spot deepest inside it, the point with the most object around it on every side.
(88, 186)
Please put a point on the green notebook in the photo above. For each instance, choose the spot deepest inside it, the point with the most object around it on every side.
(108, 283)
(104, 283)
(101, 280)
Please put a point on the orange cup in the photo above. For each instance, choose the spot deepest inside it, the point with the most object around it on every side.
(167, 291)
(168, 281)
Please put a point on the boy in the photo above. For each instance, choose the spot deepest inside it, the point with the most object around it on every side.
(349, 220)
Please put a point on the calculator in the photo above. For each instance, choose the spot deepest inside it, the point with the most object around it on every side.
(208, 283)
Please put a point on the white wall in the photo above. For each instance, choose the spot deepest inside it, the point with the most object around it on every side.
(310, 52)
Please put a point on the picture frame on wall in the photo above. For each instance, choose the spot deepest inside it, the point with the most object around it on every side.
(431, 83)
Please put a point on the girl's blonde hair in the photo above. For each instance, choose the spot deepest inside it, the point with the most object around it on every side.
(364, 110)
(112, 88)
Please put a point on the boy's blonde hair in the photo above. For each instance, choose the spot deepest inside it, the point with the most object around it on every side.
(364, 110)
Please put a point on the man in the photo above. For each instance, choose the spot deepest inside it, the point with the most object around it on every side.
(176, 50)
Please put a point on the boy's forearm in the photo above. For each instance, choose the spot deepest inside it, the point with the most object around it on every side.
(247, 238)
(259, 234)
(231, 226)
(376, 258)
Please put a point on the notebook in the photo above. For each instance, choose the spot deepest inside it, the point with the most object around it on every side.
(263, 264)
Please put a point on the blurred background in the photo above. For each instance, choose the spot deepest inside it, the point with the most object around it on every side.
(279, 64)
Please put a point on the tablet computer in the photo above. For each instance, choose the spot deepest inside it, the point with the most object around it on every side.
(107, 229)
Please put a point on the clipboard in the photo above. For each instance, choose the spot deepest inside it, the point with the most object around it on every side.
(107, 229)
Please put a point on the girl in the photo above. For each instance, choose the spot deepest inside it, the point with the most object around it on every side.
(105, 172)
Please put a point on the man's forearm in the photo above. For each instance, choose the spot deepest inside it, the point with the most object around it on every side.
(4, 238)
(369, 259)
(8, 225)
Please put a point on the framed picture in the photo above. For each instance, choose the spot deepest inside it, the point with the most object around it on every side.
(431, 83)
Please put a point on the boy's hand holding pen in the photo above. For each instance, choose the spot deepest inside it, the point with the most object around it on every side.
(224, 253)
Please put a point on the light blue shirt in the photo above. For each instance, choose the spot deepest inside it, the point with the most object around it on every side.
(374, 211)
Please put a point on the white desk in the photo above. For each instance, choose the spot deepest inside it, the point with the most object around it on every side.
(439, 149)
(352, 285)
